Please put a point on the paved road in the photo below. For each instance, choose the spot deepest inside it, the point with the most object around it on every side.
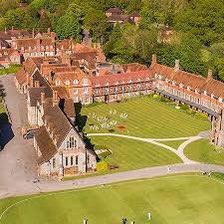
(17, 159)
(49, 186)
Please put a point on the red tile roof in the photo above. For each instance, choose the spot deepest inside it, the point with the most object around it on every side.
(117, 79)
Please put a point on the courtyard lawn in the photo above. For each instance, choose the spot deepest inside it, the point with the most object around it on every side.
(128, 154)
(177, 199)
(173, 144)
(142, 117)
(204, 151)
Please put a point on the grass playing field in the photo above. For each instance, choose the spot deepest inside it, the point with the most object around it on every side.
(204, 151)
(190, 199)
(142, 117)
(130, 154)
(173, 144)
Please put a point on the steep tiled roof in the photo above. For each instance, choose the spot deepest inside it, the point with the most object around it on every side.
(114, 10)
(134, 67)
(56, 121)
(21, 76)
(118, 18)
(46, 145)
(124, 78)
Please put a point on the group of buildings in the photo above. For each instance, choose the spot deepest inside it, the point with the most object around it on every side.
(57, 74)
(116, 15)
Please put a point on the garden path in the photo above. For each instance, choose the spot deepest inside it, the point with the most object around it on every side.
(179, 152)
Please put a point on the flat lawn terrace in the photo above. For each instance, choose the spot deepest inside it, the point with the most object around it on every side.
(189, 198)
(143, 117)
(205, 152)
(127, 154)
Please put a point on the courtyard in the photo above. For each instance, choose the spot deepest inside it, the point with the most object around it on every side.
(143, 117)
(140, 132)
(189, 198)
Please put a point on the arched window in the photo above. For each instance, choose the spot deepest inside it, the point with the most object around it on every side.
(71, 143)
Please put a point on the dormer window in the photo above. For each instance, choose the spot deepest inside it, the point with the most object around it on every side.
(181, 85)
(85, 82)
(130, 81)
(67, 82)
(220, 100)
(173, 82)
(75, 82)
(196, 91)
(212, 96)
(188, 88)
(58, 83)
(116, 83)
(205, 93)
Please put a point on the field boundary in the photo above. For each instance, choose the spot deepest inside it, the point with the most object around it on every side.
(88, 188)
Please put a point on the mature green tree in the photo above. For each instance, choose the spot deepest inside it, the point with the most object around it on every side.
(69, 25)
(6, 5)
(96, 22)
(14, 18)
(188, 51)
(204, 19)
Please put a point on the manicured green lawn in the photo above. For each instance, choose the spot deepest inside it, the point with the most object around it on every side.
(12, 69)
(173, 144)
(130, 154)
(190, 199)
(204, 151)
(146, 118)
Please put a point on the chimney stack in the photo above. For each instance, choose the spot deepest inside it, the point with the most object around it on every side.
(42, 97)
(5, 30)
(66, 59)
(209, 74)
(33, 33)
(31, 82)
(49, 30)
(177, 65)
(12, 28)
(55, 98)
(154, 59)
(36, 84)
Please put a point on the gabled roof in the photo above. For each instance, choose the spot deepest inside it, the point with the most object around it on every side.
(56, 121)
(114, 10)
(118, 79)
(46, 145)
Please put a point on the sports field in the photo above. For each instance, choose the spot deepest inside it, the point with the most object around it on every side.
(142, 117)
(186, 198)
(203, 151)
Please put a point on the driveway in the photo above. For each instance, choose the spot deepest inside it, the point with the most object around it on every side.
(17, 159)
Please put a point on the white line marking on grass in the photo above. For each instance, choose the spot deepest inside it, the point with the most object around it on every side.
(89, 188)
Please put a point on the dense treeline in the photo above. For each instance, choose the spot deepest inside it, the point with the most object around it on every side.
(197, 28)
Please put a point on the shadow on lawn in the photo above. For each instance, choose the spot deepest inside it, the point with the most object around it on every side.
(6, 132)
(80, 122)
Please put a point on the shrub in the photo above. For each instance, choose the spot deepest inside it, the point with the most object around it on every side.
(102, 166)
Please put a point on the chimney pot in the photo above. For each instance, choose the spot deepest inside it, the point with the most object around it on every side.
(177, 65)
(154, 59)
(209, 74)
